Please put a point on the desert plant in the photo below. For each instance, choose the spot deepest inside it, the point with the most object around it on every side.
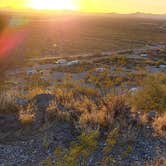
(119, 60)
(35, 81)
(101, 81)
(152, 95)
(77, 153)
(7, 102)
(115, 108)
(111, 141)
(160, 125)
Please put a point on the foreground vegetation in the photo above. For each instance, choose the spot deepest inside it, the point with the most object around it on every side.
(99, 118)
(97, 113)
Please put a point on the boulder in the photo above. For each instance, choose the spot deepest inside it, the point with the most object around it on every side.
(41, 102)
(21, 101)
(9, 122)
(100, 70)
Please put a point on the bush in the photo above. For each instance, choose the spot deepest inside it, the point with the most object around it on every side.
(152, 95)
(119, 60)
(35, 81)
(160, 125)
(111, 141)
(77, 154)
(101, 81)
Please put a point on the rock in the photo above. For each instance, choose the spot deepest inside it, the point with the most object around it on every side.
(162, 66)
(150, 116)
(134, 90)
(144, 55)
(61, 61)
(75, 62)
(31, 72)
(41, 102)
(9, 122)
(21, 101)
(100, 70)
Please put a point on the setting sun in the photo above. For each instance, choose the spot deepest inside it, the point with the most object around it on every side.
(52, 4)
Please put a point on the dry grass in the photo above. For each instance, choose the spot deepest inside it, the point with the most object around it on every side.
(34, 92)
(88, 111)
(158, 162)
(88, 107)
(152, 95)
(7, 102)
(26, 119)
(160, 125)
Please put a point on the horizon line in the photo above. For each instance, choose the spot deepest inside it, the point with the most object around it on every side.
(8, 9)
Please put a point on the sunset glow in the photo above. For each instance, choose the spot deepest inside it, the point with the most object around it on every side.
(52, 4)
(118, 6)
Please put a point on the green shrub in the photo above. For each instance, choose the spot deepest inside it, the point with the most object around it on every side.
(101, 81)
(152, 95)
(77, 154)
(111, 141)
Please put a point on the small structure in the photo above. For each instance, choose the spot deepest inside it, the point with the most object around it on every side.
(75, 62)
(61, 61)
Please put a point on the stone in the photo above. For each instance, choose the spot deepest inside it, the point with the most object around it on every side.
(41, 102)
(21, 101)
(150, 116)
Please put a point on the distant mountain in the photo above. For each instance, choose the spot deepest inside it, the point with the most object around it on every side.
(71, 12)
(149, 15)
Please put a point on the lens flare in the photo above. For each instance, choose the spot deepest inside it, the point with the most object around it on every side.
(12, 35)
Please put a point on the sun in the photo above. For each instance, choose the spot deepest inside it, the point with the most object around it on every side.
(53, 4)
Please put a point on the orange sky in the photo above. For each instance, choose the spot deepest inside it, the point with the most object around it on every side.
(119, 6)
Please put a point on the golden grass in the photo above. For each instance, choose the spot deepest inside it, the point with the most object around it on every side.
(26, 119)
(7, 102)
(160, 125)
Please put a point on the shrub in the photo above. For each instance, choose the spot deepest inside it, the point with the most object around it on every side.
(101, 81)
(77, 154)
(111, 141)
(26, 119)
(86, 91)
(102, 113)
(152, 95)
(115, 108)
(119, 60)
(160, 125)
(35, 81)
